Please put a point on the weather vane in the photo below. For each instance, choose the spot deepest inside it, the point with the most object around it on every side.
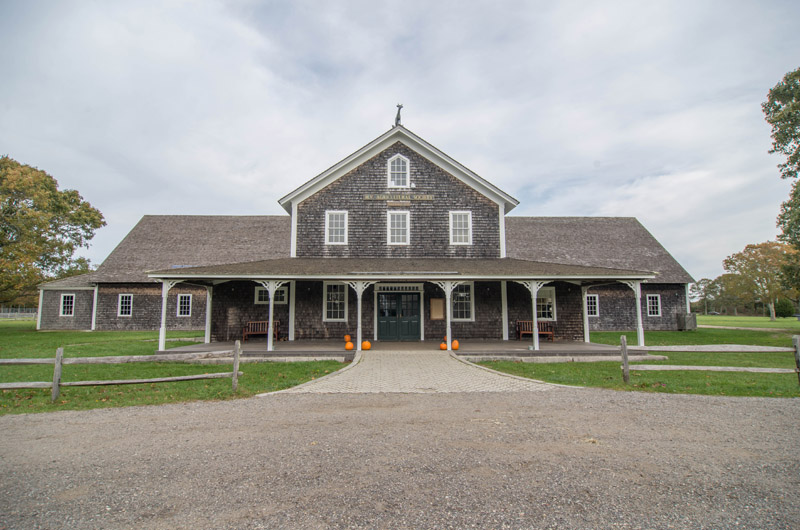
(397, 118)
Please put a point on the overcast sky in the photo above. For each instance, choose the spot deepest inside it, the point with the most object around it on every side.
(645, 109)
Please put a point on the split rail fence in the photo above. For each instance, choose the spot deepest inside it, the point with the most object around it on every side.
(59, 361)
(626, 368)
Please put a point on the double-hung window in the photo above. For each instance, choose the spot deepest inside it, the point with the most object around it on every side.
(592, 305)
(184, 305)
(463, 302)
(398, 228)
(654, 305)
(335, 302)
(67, 305)
(398, 172)
(125, 305)
(546, 303)
(335, 227)
(460, 228)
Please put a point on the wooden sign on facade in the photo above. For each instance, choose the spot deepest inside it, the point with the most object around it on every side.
(398, 197)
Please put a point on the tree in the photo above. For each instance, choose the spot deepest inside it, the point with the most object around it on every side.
(732, 291)
(40, 229)
(704, 291)
(784, 308)
(782, 112)
(760, 268)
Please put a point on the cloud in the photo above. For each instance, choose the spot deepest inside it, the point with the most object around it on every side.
(575, 108)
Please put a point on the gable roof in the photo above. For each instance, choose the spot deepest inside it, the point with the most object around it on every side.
(616, 242)
(398, 133)
(167, 241)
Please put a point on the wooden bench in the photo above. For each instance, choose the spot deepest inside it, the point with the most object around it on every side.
(259, 327)
(525, 327)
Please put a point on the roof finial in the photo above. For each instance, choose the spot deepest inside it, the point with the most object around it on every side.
(397, 118)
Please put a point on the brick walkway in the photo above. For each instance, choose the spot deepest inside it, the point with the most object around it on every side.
(415, 372)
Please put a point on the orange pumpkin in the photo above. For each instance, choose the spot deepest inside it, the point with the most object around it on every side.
(366, 345)
(454, 344)
(443, 346)
(347, 338)
(348, 346)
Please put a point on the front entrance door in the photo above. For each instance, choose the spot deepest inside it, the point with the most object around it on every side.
(398, 316)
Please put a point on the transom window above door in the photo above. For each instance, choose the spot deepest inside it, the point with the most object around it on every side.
(398, 169)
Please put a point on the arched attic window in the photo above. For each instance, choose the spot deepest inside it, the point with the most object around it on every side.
(398, 169)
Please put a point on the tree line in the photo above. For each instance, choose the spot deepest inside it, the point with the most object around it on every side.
(767, 273)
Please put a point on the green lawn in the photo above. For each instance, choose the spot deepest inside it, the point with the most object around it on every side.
(19, 339)
(699, 336)
(748, 322)
(609, 375)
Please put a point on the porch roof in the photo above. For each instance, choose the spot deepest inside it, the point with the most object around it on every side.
(400, 268)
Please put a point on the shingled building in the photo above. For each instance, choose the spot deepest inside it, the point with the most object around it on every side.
(397, 242)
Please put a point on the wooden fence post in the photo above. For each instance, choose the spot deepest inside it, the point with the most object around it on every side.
(235, 377)
(57, 375)
(796, 343)
(623, 346)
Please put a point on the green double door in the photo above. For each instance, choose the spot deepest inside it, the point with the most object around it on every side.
(398, 316)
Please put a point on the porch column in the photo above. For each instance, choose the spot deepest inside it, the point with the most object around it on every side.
(534, 286)
(636, 285)
(504, 304)
(448, 286)
(94, 308)
(292, 290)
(359, 287)
(271, 286)
(209, 296)
(166, 285)
(584, 293)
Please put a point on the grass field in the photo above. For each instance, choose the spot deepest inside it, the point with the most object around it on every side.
(748, 322)
(19, 339)
(609, 375)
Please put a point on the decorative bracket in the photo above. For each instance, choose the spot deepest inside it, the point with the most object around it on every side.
(166, 285)
(533, 285)
(271, 286)
(360, 286)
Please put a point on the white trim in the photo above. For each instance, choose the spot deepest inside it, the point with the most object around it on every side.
(327, 226)
(393, 276)
(469, 226)
(325, 301)
(389, 183)
(291, 309)
(61, 305)
(39, 311)
(596, 305)
(502, 213)
(542, 293)
(119, 305)
(293, 251)
(209, 302)
(504, 304)
(282, 301)
(94, 308)
(471, 318)
(647, 304)
(389, 214)
(688, 303)
(178, 305)
(416, 144)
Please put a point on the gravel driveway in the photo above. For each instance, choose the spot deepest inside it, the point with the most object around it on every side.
(565, 458)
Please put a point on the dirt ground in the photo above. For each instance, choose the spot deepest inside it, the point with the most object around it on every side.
(565, 458)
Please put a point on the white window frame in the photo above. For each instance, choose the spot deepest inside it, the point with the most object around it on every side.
(389, 214)
(389, 182)
(325, 301)
(281, 296)
(543, 293)
(328, 214)
(657, 298)
(596, 299)
(471, 318)
(119, 305)
(61, 307)
(178, 305)
(469, 227)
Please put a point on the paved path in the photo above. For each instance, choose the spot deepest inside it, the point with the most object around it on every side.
(415, 372)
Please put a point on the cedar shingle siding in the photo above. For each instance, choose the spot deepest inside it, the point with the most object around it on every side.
(429, 219)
